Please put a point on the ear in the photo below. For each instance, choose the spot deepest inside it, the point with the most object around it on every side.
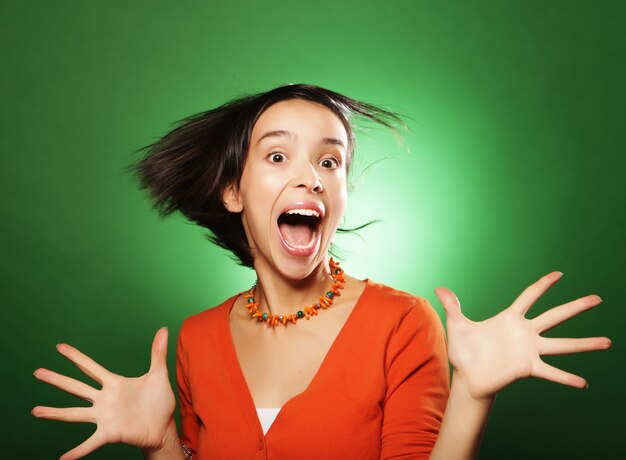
(231, 198)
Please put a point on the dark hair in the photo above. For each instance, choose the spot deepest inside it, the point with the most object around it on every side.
(188, 168)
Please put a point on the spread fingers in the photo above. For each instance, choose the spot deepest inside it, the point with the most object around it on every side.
(70, 385)
(84, 362)
(557, 315)
(550, 346)
(64, 414)
(545, 371)
(532, 293)
(89, 445)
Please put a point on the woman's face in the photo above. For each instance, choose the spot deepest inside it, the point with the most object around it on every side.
(293, 190)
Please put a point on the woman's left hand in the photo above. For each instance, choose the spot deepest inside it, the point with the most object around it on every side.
(489, 355)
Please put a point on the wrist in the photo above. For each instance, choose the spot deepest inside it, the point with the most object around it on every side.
(170, 444)
(463, 422)
(461, 391)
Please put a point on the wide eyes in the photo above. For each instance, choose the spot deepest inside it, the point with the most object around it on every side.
(326, 163)
(277, 157)
(329, 163)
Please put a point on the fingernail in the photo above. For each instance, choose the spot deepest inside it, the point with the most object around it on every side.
(587, 386)
(561, 273)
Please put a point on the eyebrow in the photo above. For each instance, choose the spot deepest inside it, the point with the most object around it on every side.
(285, 133)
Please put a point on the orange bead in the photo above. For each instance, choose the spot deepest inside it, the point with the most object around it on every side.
(336, 273)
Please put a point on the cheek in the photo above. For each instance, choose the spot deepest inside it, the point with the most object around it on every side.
(340, 199)
(259, 197)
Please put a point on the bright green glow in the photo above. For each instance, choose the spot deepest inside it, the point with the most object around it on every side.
(515, 169)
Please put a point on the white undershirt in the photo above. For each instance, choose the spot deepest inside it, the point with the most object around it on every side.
(267, 417)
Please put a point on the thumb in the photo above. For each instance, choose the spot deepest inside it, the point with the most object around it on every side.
(158, 359)
(450, 303)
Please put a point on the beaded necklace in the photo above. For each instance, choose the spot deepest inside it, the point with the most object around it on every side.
(324, 302)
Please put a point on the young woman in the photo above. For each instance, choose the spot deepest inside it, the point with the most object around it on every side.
(310, 362)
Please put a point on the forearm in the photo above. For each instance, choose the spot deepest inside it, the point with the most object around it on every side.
(171, 449)
(463, 424)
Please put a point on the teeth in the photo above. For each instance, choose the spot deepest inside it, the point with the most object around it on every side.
(304, 212)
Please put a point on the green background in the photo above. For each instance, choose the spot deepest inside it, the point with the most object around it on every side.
(514, 168)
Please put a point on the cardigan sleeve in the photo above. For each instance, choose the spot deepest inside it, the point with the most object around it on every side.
(189, 423)
(418, 384)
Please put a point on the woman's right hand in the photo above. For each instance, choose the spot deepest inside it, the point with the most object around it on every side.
(136, 411)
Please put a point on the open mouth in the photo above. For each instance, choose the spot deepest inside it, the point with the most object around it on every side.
(299, 230)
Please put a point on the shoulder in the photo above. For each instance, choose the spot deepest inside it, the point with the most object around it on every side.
(415, 331)
(397, 305)
(206, 321)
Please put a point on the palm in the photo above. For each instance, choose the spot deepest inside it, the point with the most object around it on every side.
(135, 411)
(489, 355)
(144, 403)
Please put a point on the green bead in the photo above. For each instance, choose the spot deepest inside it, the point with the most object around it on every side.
(337, 271)
(265, 316)
(330, 295)
(300, 314)
(250, 299)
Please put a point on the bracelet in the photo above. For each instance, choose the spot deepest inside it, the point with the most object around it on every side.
(187, 451)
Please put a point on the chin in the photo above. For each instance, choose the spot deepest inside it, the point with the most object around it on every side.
(298, 268)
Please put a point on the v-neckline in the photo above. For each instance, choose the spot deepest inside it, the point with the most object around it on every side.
(236, 372)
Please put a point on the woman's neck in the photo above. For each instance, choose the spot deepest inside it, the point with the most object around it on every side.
(277, 294)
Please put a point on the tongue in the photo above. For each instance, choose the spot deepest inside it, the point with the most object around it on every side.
(299, 235)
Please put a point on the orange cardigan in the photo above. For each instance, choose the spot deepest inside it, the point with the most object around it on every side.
(380, 393)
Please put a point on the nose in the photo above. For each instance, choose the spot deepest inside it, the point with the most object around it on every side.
(308, 177)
